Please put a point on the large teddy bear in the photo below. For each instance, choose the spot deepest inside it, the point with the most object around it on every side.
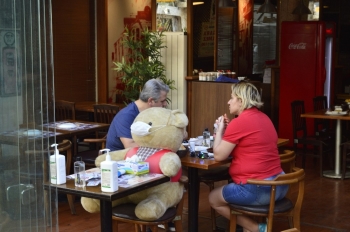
(159, 133)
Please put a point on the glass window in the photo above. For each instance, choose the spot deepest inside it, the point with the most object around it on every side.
(26, 92)
(264, 40)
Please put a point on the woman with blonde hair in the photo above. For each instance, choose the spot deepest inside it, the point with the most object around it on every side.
(251, 140)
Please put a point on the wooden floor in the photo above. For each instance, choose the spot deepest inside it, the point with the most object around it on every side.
(326, 208)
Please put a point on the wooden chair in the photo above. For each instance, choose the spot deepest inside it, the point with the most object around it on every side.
(103, 113)
(322, 127)
(284, 207)
(209, 177)
(301, 137)
(64, 110)
(291, 230)
(126, 214)
(89, 156)
(38, 156)
(287, 160)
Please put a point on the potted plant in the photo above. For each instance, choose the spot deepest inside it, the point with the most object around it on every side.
(141, 62)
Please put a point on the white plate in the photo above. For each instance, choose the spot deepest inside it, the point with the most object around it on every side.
(67, 125)
(185, 144)
(32, 132)
(336, 113)
(201, 148)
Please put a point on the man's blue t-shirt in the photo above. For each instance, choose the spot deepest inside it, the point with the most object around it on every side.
(120, 127)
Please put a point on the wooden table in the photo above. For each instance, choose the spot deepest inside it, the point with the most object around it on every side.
(322, 114)
(193, 164)
(105, 198)
(82, 127)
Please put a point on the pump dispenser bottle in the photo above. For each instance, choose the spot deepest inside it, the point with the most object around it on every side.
(57, 167)
(109, 174)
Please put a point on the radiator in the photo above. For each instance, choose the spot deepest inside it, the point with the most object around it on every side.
(174, 57)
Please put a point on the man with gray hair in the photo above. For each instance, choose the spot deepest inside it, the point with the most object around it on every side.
(153, 94)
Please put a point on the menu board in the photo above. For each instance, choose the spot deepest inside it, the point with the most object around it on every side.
(206, 42)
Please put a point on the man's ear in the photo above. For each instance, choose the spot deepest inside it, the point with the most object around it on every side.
(149, 101)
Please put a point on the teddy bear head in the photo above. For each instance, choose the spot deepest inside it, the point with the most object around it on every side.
(158, 127)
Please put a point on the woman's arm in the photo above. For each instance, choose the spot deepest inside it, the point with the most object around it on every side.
(221, 148)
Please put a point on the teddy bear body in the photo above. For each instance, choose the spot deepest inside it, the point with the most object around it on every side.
(158, 148)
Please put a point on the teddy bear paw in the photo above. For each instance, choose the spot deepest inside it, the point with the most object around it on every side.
(150, 209)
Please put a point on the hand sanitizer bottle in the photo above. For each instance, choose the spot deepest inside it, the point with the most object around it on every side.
(109, 174)
(57, 167)
(79, 172)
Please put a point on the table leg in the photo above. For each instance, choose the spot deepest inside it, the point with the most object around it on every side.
(193, 194)
(336, 173)
(106, 216)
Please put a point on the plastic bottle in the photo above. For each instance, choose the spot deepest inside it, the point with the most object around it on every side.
(109, 174)
(206, 137)
(57, 167)
(79, 172)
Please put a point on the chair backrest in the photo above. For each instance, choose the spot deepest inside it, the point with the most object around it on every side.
(320, 103)
(105, 113)
(299, 123)
(39, 157)
(287, 160)
(295, 177)
(64, 110)
(65, 148)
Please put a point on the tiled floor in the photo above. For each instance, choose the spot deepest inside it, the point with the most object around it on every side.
(326, 208)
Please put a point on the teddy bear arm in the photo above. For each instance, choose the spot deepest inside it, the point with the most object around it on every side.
(115, 155)
(170, 164)
(158, 200)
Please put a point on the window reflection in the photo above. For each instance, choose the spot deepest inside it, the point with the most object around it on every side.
(171, 16)
(264, 40)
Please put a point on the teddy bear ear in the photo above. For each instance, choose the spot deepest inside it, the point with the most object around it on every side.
(179, 119)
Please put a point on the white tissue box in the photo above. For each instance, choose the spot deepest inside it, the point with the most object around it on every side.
(136, 168)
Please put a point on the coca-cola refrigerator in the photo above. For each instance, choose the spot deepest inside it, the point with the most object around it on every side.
(306, 68)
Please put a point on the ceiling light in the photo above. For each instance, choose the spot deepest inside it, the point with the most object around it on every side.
(301, 9)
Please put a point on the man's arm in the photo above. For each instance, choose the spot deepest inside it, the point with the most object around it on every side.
(128, 143)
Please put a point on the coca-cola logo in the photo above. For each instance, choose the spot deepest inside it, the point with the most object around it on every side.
(297, 46)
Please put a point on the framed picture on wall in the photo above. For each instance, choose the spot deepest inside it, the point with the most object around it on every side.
(10, 68)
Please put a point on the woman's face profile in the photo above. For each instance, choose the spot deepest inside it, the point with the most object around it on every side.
(235, 105)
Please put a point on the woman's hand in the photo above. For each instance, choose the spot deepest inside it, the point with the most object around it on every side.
(221, 123)
(221, 148)
(226, 120)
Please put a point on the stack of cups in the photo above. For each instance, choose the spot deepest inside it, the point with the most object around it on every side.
(192, 147)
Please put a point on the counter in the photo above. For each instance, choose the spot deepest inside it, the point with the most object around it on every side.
(207, 100)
